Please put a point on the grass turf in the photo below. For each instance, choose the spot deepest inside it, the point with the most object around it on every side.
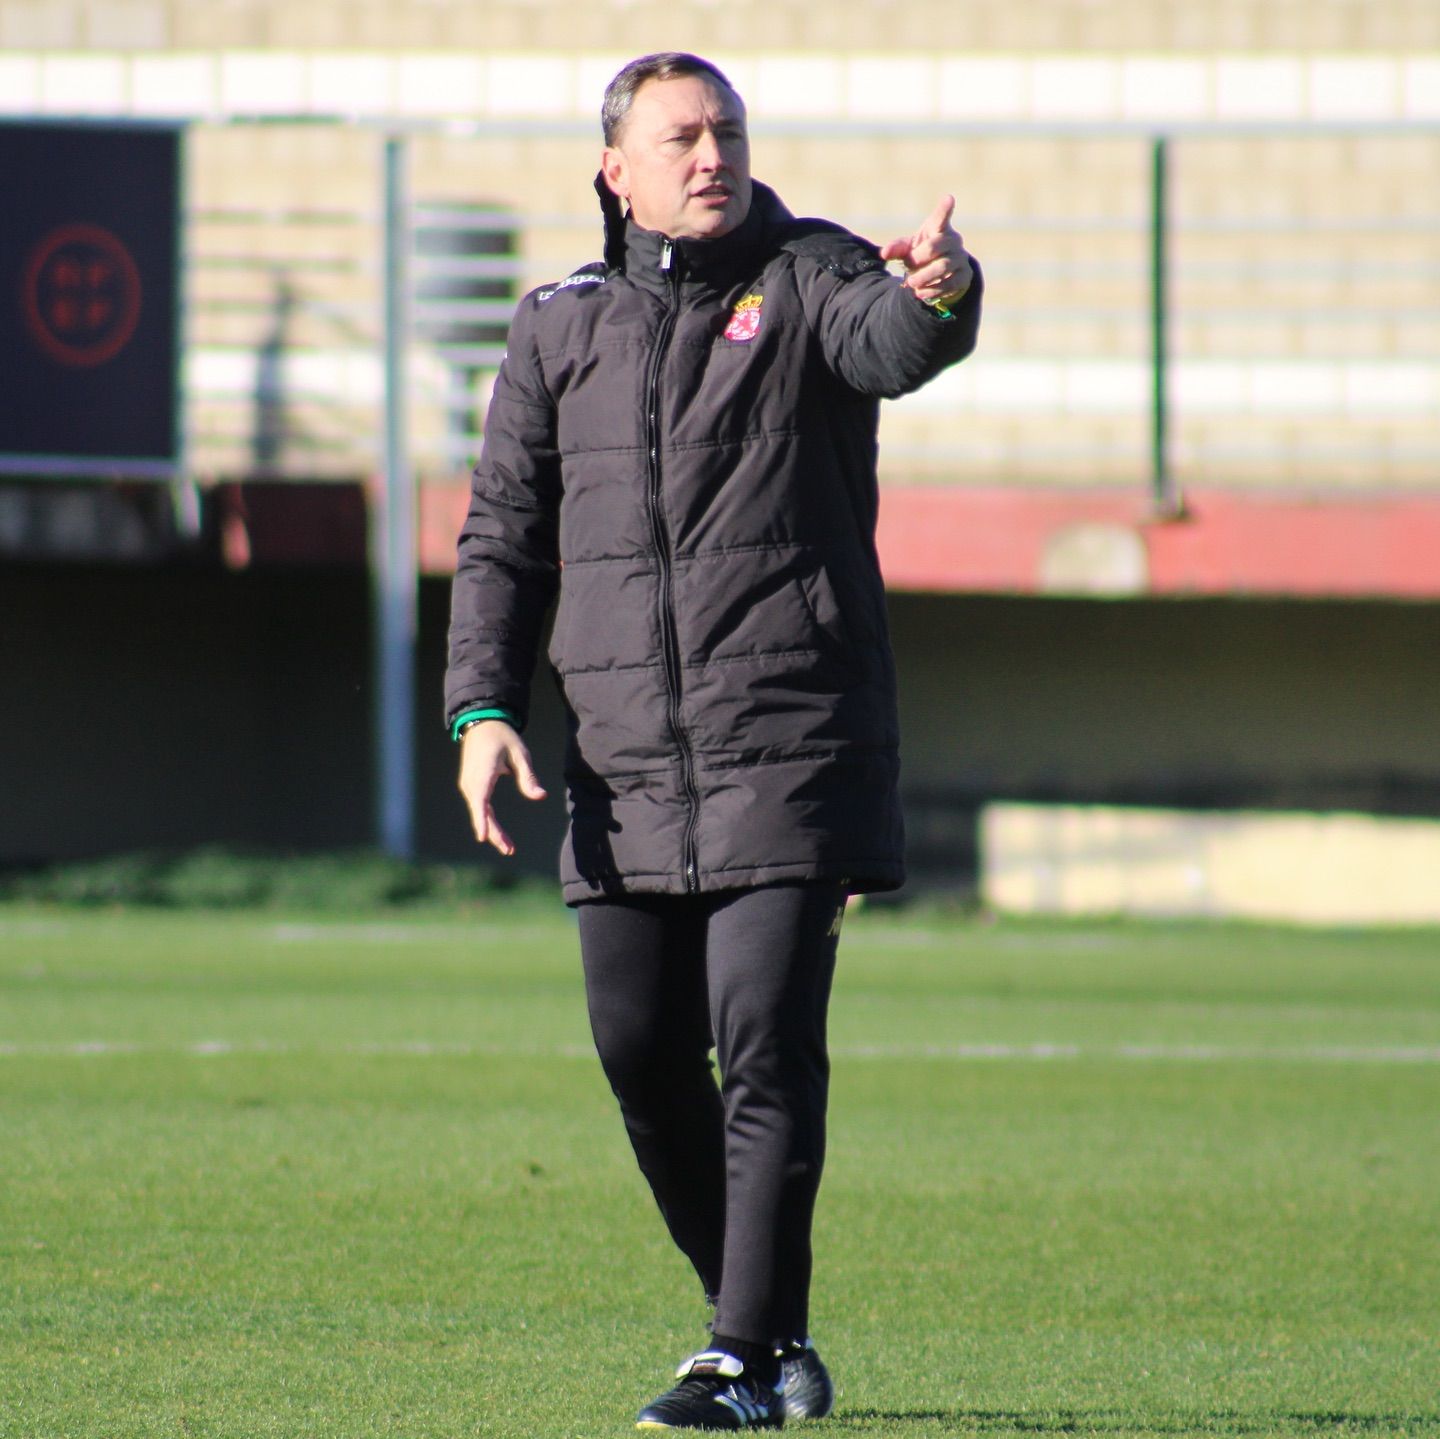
(290, 1176)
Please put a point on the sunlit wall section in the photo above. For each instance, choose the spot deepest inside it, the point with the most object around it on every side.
(1302, 277)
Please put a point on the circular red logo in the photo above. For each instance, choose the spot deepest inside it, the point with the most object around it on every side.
(81, 295)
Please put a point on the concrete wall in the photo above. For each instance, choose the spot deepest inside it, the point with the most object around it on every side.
(163, 708)
(160, 707)
(148, 708)
(1273, 704)
(1325, 869)
(1304, 324)
(633, 26)
(1269, 705)
(1302, 332)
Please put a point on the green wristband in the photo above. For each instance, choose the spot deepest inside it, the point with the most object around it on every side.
(466, 717)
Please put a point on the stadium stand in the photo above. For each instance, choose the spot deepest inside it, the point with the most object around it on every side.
(1296, 456)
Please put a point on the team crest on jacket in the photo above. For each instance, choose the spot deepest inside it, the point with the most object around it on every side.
(745, 319)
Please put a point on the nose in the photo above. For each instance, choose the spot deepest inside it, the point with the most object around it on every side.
(708, 153)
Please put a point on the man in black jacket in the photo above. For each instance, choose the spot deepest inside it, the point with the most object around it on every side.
(682, 442)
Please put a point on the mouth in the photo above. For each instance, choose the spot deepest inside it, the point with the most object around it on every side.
(713, 192)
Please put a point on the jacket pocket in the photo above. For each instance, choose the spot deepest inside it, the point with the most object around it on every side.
(833, 634)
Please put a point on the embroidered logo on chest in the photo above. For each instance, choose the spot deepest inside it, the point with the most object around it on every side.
(745, 319)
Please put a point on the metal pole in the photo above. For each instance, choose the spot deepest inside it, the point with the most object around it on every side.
(395, 579)
(1163, 491)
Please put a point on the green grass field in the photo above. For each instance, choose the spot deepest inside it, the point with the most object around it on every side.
(309, 1176)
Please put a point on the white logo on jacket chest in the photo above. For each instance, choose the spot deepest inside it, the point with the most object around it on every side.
(567, 283)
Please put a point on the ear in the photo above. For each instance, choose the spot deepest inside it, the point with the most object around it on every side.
(616, 170)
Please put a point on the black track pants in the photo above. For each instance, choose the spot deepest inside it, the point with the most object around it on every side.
(734, 1167)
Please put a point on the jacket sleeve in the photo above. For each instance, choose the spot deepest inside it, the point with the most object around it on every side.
(507, 568)
(872, 331)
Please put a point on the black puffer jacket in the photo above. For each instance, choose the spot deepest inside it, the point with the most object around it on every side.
(684, 440)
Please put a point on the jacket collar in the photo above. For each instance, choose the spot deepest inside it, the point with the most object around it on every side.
(637, 251)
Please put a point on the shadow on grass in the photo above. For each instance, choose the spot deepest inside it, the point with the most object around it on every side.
(1116, 1421)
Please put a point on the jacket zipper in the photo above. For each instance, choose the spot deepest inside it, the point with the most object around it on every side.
(670, 643)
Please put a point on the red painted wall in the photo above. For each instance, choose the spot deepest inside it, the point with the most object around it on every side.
(1002, 540)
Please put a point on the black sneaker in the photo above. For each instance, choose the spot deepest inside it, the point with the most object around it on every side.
(806, 1390)
(714, 1392)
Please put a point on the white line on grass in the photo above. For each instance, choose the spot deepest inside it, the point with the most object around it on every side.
(1156, 1053)
(1339, 1054)
(368, 933)
(327, 932)
(30, 928)
(225, 1048)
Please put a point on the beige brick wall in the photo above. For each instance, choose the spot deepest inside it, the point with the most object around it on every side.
(1060, 225)
(1264, 282)
(739, 26)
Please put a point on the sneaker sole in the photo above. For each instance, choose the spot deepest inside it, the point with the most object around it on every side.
(704, 1428)
(699, 1429)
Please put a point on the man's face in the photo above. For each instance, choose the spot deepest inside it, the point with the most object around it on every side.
(682, 158)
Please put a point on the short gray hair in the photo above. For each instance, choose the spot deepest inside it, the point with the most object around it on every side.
(665, 65)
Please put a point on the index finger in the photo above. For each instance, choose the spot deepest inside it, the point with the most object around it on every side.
(494, 835)
(939, 217)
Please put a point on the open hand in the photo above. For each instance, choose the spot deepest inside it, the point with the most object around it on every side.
(937, 268)
(486, 752)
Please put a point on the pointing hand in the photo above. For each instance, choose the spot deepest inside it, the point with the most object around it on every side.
(937, 268)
